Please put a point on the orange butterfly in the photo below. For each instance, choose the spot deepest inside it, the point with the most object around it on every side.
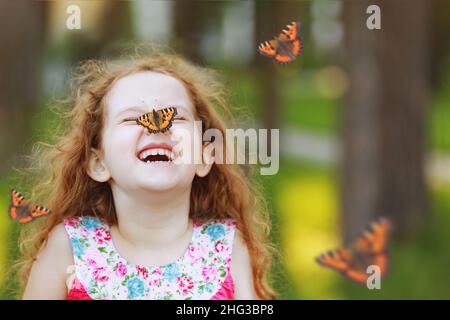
(158, 121)
(22, 212)
(368, 249)
(284, 48)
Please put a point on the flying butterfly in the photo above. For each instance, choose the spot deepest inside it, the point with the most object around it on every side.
(284, 48)
(158, 120)
(20, 211)
(370, 248)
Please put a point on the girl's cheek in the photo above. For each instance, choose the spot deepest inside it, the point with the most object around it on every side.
(122, 138)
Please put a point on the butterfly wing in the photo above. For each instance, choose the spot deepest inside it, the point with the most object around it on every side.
(285, 53)
(17, 204)
(15, 212)
(336, 259)
(166, 117)
(268, 48)
(17, 199)
(23, 215)
(289, 43)
(288, 51)
(368, 249)
(19, 210)
(148, 121)
(290, 32)
(344, 261)
(284, 48)
(294, 47)
(374, 239)
(373, 244)
(381, 232)
(39, 211)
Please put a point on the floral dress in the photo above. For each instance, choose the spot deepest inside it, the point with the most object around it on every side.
(100, 272)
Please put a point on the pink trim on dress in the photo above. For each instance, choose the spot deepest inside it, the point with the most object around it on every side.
(77, 291)
(226, 292)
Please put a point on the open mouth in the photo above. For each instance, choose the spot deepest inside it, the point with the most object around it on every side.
(156, 155)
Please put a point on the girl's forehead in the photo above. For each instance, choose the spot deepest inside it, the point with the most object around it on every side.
(147, 89)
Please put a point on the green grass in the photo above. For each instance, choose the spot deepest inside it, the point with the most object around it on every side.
(8, 239)
(419, 268)
(439, 119)
(306, 108)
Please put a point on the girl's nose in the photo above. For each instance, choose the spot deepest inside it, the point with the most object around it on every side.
(165, 133)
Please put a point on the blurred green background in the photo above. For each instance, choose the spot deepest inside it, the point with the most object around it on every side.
(364, 118)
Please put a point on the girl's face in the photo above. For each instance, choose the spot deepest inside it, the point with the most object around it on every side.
(126, 145)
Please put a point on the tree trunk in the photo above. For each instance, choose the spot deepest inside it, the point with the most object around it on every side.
(109, 36)
(270, 18)
(191, 20)
(21, 36)
(384, 117)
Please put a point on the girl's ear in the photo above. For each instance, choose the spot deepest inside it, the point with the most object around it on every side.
(96, 168)
(207, 160)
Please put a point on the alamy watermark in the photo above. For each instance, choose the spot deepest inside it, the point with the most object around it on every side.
(237, 146)
(374, 278)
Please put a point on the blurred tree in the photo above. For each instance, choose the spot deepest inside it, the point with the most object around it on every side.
(191, 21)
(270, 18)
(440, 46)
(108, 37)
(21, 36)
(384, 116)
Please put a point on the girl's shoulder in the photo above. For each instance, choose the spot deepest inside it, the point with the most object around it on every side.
(46, 280)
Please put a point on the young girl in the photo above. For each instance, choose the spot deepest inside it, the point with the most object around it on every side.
(124, 227)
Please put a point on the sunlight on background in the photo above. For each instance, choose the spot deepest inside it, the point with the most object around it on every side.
(331, 82)
(308, 209)
(58, 16)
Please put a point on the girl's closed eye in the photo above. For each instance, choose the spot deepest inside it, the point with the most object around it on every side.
(129, 119)
(135, 118)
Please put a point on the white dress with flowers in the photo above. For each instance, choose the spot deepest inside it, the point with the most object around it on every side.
(100, 272)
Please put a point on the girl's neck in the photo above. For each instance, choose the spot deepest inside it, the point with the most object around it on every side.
(152, 221)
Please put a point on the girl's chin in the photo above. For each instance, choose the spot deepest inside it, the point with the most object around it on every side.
(156, 186)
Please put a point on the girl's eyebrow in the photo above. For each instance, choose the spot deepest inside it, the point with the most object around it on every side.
(143, 109)
(132, 109)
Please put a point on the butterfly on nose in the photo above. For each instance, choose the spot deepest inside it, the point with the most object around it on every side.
(158, 121)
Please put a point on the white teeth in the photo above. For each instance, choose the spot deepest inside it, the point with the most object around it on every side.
(154, 152)
(159, 162)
